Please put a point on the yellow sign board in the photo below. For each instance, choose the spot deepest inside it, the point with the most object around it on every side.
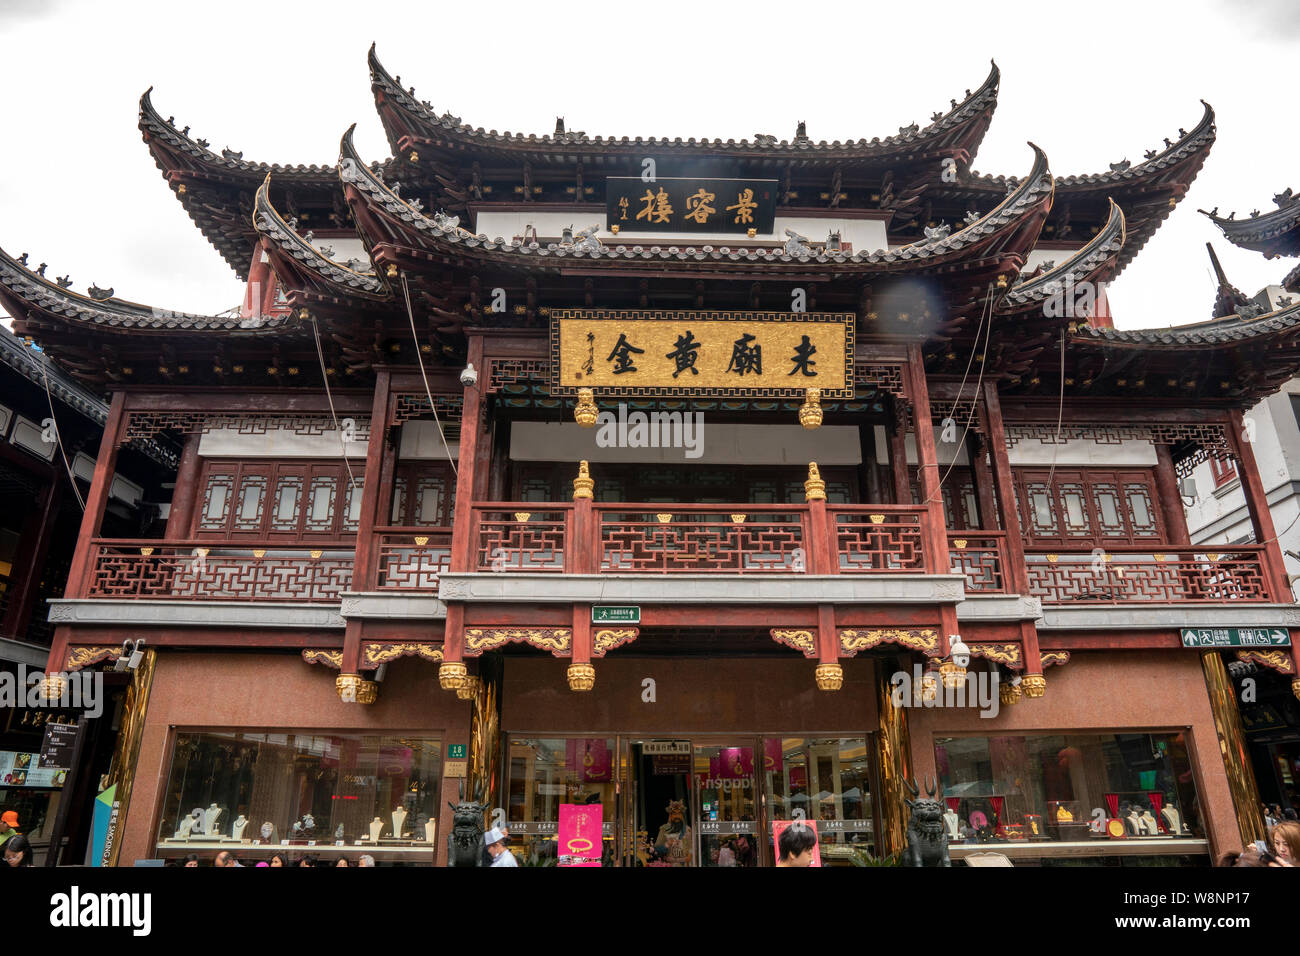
(644, 353)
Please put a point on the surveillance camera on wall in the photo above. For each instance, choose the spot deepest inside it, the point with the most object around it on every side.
(469, 376)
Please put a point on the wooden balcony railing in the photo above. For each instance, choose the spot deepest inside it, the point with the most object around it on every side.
(410, 559)
(981, 556)
(697, 538)
(1200, 575)
(879, 538)
(208, 571)
(746, 539)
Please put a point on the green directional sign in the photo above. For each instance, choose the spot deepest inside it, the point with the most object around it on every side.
(615, 614)
(1236, 637)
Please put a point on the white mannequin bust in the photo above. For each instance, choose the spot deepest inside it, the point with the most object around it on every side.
(188, 824)
(1149, 823)
(399, 820)
(376, 828)
(237, 828)
(431, 830)
(1134, 823)
(211, 818)
(1174, 821)
(953, 823)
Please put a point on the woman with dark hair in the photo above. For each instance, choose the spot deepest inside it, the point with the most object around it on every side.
(278, 859)
(343, 861)
(18, 851)
(191, 860)
(308, 860)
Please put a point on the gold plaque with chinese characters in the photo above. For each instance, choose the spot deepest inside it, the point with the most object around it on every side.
(645, 353)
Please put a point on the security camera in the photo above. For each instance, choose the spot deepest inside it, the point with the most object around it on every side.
(469, 376)
(130, 658)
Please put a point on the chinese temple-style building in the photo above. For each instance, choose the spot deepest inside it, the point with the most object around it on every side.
(685, 480)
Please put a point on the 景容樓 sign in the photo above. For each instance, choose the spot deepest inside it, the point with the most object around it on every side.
(691, 205)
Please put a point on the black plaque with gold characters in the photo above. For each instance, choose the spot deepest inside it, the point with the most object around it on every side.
(690, 205)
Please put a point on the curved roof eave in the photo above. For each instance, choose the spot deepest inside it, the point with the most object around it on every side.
(960, 128)
(291, 253)
(24, 292)
(1031, 196)
(1096, 258)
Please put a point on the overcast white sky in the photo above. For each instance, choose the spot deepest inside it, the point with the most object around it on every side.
(1090, 83)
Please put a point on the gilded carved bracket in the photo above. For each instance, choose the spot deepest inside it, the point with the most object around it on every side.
(373, 655)
(925, 640)
(1000, 652)
(557, 640)
(799, 639)
(330, 658)
(1279, 661)
(80, 657)
(1048, 658)
(607, 638)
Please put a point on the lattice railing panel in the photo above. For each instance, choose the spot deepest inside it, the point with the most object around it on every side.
(412, 562)
(142, 425)
(701, 541)
(505, 541)
(878, 542)
(981, 558)
(208, 573)
(1186, 576)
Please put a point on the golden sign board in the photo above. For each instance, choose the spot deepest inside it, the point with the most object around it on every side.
(707, 354)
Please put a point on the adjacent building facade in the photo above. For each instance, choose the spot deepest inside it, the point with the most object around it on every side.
(677, 481)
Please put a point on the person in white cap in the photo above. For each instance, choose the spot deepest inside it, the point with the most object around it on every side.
(495, 841)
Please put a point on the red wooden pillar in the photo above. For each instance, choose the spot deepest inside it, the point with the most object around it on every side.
(938, 560)
(92, 520)
(927, 459)
(185, 492)
(1014, 544)
(33, 546)
(1171, 500)
(984, 487)
(462, 543)
(898, 458)
(370, 496)
(1261, 519)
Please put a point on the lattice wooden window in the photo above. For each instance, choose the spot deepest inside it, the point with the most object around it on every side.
(424, 495)
(218, 494)
(1223, 471)
(960, 503)
(294, 501)
(1087, 508)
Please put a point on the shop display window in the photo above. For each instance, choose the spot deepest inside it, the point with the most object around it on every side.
(327, 794)
(546, 772)
(1068, 788)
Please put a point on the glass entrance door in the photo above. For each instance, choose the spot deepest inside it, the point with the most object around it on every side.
(726, 794)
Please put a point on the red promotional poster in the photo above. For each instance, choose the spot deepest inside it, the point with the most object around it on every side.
(590, 756)
(780, 826)
(772, 755)
(732, 763)
(579, 841)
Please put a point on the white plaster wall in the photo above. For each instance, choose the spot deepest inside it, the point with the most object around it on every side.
(421, 441)
(734, 444)
(865, 234)
(276, 443)
(1083, 453)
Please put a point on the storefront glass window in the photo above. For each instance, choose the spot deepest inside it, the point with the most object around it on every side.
(1068, 788)
(546, 772)
(331, 793)
(827, 780)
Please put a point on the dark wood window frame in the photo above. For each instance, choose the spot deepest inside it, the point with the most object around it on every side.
(295, 501)
(1089, 507)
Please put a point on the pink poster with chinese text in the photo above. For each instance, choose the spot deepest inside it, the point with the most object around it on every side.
(580, 841)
